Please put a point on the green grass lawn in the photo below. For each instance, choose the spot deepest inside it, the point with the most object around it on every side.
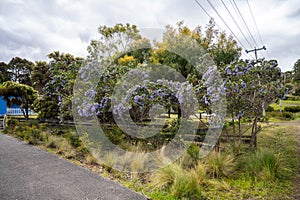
(285, 103)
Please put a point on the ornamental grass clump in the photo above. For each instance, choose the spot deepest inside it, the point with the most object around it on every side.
(265, 164)
(181, 183)
(220, 164)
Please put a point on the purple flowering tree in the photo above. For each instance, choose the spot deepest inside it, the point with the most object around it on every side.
(250, 87)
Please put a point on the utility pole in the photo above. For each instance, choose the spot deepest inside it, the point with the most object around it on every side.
(255, 51)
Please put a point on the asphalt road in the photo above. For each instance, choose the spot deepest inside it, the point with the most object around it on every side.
(27, 172)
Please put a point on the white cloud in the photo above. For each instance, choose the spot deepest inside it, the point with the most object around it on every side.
(33, 29)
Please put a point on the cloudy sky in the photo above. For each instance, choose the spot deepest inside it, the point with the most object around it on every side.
(34, 28)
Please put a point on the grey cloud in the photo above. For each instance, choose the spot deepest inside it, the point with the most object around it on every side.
(85, 36)
(295, 14)
(35, 28)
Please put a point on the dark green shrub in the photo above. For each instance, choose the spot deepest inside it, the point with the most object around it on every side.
(11, 123)
(32, 135)
(46, 107)
(270, 109)
(115, 135)
(292, 109)
(193, 150)
(287, 115)
(293, 98)
(281, 115)
(73, 139)
(297, 92)
(33, 123)
(173, 127)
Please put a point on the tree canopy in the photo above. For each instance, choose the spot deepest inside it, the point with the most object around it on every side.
(297, 71)
(20, 94)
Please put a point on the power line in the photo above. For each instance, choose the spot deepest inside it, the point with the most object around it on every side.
(255, 23)
(247, 55)
(244, 22)
(213, 7)
(235, 22)
(261, 40)
(206, 12)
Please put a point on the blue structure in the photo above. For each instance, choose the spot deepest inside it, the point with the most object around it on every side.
(3, 106)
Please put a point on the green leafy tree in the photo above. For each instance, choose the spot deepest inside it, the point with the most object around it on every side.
(222, 48)
(4, 73)
(20, 94)
(113, 41)
(40, 75)
(20, 70)
(297, 71)
(56, 85)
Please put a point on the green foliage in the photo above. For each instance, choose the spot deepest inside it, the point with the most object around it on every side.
(138, 163)
(193, 151)
(297, 92)
(293, 98)
(161, 195)
(114, 134)
(109, 160)
(165, 177)
(11, 123)
(31, 134)
(61, 146)
(260, 174)
(54, 81)
(173, 127)
(220, 164)
(116, 39)
(24, 95)
(265, 164)
(297, 71)
(40, 75)
(51, 142)
(65, 148)
(270, 109)
(281, 115)
(89, 159)
(292, 109)
(73, 139)
(20, 70)
(222, 48)
(182, 184)
(186, 186)
(46, 107)
(4, 73)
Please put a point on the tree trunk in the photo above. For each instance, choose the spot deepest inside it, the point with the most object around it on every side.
(179, 111)
(253, 142)
(26, 110)
(240, 130)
